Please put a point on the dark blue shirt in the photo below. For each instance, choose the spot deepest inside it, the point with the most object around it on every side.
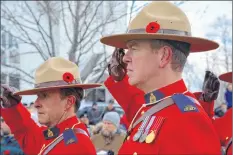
(10, 145)
(228, 98)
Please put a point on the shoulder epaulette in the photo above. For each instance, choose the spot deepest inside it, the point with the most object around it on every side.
(185, 103)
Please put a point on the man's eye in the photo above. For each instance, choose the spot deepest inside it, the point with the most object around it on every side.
(133, 49)
(43, 95)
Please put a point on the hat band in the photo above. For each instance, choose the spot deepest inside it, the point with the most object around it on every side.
(162, 31)
(57, 83)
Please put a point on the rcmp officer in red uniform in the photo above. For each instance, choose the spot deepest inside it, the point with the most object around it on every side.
(223, 124)
(59, 90)
(171, 121)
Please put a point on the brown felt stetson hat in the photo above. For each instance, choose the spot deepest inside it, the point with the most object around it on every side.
(174, 25)
(227, 77)
(57, 73)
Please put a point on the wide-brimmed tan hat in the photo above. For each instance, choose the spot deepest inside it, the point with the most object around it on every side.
(57, 73)
(160, 20)
(227, 77)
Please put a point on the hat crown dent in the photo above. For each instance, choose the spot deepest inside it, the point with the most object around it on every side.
(53, 70)
(168, 15)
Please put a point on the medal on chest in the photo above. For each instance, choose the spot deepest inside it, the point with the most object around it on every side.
(141, 129)
(157, 123)
(144, 135)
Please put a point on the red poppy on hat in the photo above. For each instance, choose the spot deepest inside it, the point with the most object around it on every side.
(68, 77)
(152, 27)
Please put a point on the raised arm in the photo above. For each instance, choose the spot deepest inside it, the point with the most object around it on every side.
(17, 117)
(117, 84)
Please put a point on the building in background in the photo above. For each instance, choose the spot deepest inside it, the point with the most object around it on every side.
(9, 57)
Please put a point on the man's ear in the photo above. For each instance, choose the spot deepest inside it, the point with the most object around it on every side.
(70, 101)
(165, 56)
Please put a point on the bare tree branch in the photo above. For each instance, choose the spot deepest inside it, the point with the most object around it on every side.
(23, 79)
(31, 43)
(90, 22)
(38, 25)
(71, 12)
(51, 34)
(24, 53)
(19, 69)
(74, 46)
(64, 22)
(82, 28)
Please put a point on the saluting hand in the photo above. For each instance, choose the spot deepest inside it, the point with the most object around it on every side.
(210, 87)
(7, 98)
(116, 66)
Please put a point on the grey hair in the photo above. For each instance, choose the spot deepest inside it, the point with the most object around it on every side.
(180, 52)
(77, 92)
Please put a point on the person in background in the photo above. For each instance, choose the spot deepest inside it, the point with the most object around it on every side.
(84, 119)
(94, 114)
(8, 143)
(110, 137)
(109, 108)
(223, 125)
(124, 124)
(228, 96)
(220, 110)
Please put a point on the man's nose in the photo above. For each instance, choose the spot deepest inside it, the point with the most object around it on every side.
(37, 103)
(127, 57)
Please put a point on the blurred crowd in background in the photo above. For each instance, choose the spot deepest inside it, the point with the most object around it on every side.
(107, 125)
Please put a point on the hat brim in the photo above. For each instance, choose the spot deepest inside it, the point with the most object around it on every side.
(197, 44)
(227, 77)
(36, 90)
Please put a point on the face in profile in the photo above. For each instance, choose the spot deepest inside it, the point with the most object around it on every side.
(142, 62)
(50, 106)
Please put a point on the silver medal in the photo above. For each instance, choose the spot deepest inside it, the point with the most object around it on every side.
(144, 135)
(140, 129)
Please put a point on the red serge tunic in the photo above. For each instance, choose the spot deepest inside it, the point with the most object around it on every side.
(31, 138)
(175, 131)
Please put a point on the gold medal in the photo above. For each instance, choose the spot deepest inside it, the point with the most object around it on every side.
(150, 138)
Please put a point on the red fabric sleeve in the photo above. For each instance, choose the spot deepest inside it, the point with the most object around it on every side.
(208, 107)
(223, 126)
(126, 95)
(25, 130)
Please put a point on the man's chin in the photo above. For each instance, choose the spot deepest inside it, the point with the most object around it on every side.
(42, 121)
(132, 81)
